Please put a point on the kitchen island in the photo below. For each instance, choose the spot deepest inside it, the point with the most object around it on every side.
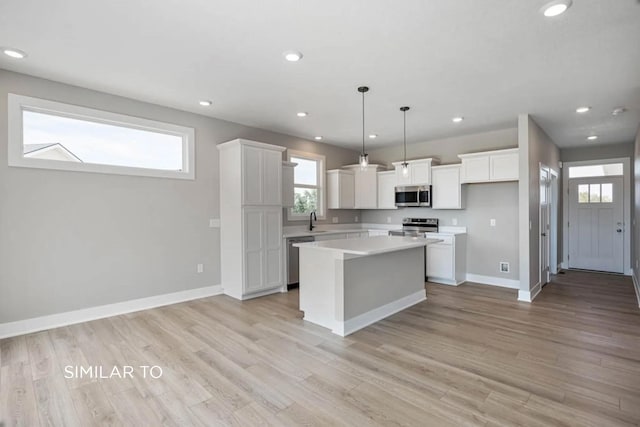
(348, 284)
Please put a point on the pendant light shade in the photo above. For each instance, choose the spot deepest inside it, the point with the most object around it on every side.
(364, 157)
(405, 165)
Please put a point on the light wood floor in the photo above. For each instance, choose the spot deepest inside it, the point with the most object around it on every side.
(470, 355)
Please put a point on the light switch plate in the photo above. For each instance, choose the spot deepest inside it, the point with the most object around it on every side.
(334, 219)
(492, 222)
(357, 218)
(214, 222)
(388, 220)
(454, 221)
(200, 268)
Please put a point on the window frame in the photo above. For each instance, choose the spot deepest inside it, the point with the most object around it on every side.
(320, 160)
(19, 103)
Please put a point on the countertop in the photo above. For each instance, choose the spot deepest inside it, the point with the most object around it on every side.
(369, 245)
(301, 233)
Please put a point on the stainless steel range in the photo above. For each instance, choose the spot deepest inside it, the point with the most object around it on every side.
(416, 227)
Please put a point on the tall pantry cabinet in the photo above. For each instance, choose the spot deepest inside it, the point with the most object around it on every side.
(250, 218)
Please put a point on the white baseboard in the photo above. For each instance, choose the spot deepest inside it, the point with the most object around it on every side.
(636, 286)
(21, 327)
(366, 319)
(529, 296)
(493, 281)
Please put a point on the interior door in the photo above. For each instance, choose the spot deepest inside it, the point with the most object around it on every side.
(545, 215)
(596, 227)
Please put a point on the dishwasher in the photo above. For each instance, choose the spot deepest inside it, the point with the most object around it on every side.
(293, 258)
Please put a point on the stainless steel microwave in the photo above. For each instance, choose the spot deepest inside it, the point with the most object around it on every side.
(415, 195)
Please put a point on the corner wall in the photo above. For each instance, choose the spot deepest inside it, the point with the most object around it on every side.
(635, 235)
(536, 148)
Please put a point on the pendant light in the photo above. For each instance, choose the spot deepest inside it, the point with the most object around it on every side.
(405, 165)
(364, 157)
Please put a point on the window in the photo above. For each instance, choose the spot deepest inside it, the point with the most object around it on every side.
(51, 135)
(595, 193)
(308, 182)
(612, 169)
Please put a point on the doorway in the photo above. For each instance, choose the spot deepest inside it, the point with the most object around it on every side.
(597, 215)
(545, 223)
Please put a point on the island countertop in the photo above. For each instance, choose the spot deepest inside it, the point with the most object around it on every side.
(369, 245)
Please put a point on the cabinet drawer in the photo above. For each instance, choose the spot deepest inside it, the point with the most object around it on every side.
(446, 240)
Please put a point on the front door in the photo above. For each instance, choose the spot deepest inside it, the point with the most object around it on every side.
(596, 227)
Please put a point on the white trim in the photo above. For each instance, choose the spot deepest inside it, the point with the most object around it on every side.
(626, 183)
(321, 209)
(529, 296)
(365, 319)
(18, 103)
(243, 297)
(493, 281)
(636, 286)
(26, 326)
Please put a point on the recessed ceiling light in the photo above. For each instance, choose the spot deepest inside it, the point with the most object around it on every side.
(457, 119)
(292, 56)
(14, 53)
(205, 103)
(373, 136)
(556, 8)
(302, 114)
(582, 109)
(317, 138)
(592, 137)
(618, 110)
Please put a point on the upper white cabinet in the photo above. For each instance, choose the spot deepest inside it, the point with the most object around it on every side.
(366, 186)
(386, 190)
(419, 172)
(340, 189)
(288, 169)
(261, 173)
(446, 187)
(490, 166)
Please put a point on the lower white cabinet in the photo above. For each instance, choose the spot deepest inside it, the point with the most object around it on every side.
(262, 250)
(447, 261)
(446, 187)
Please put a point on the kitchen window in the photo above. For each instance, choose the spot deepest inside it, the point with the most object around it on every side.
(308, 183)
(51, 135)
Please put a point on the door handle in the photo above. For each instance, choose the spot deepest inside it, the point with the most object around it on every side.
(543, 234)
(619, 230)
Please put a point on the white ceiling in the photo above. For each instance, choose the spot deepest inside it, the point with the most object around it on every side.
(486, 60)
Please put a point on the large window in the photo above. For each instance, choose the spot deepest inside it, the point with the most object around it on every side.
(308, 185)
(52, 135)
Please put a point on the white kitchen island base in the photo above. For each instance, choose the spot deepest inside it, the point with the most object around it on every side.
(346, 285)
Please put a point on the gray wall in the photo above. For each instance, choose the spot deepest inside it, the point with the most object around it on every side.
(635, 235)
(73, 240)
(447, 149)
(486, 245)
(535, 148)
(597, 152)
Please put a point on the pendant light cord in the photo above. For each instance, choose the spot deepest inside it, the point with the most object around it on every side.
(404, 116)
(363, 123)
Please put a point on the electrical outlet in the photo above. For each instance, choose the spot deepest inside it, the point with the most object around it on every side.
(357, 218)
(214, 222)
(454, 221)
(200, 268)
(504, 267)
(492, 222)
(334, 219)
(388, 220)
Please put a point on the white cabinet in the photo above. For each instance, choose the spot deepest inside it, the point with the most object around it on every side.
(447, 261)
(261, 175)
(419, 172)
(340, 189)
(386, 190)
(288, 171)
(446, 187)
(251, 218)
(490, 166)
(366, 186)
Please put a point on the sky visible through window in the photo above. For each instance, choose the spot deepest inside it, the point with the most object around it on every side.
(104, 144)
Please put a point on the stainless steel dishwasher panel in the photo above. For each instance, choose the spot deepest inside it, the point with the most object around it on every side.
(293, 258)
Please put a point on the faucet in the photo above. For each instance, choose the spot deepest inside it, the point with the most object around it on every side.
(312, 216)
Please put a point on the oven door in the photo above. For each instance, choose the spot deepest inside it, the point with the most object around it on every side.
(407, 196)
(424, 196)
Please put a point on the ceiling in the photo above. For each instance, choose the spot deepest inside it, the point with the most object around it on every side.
(485, 60)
